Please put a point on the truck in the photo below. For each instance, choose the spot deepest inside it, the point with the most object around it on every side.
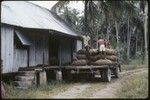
(105, 71)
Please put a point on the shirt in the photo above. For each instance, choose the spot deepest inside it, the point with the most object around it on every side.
(101, 42)
(86, 40)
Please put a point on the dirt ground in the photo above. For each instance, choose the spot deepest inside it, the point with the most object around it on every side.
(101, 90)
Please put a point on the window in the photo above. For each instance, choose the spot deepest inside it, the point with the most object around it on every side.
(20, 40)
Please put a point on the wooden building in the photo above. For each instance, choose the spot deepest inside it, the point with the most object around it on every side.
(32, 35)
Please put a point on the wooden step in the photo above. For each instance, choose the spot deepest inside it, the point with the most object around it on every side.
(24, 78)
(27, 68)
(23, 83)
(26, 73)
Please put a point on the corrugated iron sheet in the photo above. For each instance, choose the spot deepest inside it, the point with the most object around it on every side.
(28, 15)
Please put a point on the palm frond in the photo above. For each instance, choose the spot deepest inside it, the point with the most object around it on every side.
(59, 5)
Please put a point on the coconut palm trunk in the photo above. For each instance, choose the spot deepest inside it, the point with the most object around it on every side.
(117, 36)
(85, 16)
(145, 37)
(108, 32)
(136, 44)
(128, 40)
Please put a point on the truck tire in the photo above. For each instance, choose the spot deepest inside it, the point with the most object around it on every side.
(106, 75)
(116, 72)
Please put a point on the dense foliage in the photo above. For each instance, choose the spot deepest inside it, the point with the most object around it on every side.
(124, 23)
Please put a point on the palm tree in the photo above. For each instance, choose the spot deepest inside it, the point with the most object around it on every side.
(59, 5)
(89, 15)
(107, 16)
(144, 8)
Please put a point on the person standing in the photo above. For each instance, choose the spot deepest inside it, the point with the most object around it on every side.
(87, 47)
(101, 46)
(86, 40)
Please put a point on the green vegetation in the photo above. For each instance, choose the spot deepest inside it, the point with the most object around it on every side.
(41, 92)
(138, 61)
(123, 23)
(135, 87)
(134, 64)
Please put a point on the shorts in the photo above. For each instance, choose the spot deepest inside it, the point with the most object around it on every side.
(102, 48)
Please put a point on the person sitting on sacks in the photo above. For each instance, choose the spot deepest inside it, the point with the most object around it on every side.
(87, 47)
(101, 46)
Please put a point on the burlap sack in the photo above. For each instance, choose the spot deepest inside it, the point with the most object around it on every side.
(102, 62)
(98, 57)
(111, 57)
(82, 51)
(79, 63)
(110, 51)
(81, 56)
(93, 51)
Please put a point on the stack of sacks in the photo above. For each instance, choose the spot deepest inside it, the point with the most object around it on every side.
(81, 58)
(95, 58)
(109, 59)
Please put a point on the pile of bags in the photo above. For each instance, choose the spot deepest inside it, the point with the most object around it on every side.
(96, 58)
(82, 59)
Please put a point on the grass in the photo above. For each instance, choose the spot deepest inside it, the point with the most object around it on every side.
(138, 61)
(132, 67)
(134, 64)
(41, 92)
(135, 87)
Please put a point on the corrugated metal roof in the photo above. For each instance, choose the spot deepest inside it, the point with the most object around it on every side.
(28, 15)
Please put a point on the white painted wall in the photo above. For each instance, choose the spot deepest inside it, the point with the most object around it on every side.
(13, 58)
(7, 50)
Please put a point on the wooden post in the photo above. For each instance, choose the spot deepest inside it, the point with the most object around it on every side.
(43, 60)
(43, 78)
(72, 49)
(59, 54)
(28, 56)
(59, 75)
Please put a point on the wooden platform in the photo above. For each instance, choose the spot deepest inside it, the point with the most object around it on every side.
(64, 67)
(34, 68)
(85, 67)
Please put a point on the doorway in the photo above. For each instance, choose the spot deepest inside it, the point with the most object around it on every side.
(53, 51)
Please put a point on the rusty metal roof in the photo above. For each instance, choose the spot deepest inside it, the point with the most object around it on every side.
(28, 15)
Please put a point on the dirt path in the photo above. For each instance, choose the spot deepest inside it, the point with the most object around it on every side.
(109, 91)
(73, 92)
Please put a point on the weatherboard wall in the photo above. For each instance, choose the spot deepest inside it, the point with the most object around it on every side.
(13, 57)
(7, 48)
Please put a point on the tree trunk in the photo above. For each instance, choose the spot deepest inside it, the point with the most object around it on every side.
(85, 15)
(117, 36)
(128, 40)
(136, 44)
(145, 36)
(96, 38)
(135, 50)
(108, 32)
(141, 46)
